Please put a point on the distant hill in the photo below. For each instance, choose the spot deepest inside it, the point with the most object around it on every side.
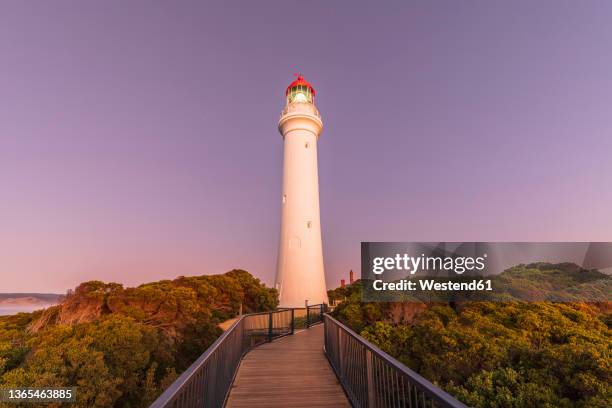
(123, 346)
(562, 282)
(43, 297)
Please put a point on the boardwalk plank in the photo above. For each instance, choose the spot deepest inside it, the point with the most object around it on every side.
(289, 372)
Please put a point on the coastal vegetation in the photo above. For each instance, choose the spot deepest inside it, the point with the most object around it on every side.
(500, 354)
(123, 346)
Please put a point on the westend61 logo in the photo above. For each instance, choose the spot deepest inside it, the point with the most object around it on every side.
(412, 264)
(486, 271)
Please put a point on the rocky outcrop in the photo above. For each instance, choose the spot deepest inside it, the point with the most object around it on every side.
(86, 304)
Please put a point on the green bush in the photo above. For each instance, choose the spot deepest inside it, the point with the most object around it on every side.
(500, 354)
(123, 346)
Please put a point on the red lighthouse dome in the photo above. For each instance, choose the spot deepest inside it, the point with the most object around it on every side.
(300, 90)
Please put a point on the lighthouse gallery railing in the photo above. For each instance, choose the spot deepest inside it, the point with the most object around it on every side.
(207, 381)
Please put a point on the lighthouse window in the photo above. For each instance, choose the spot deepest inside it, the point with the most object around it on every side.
(307, 145)
(284, 198)
(300, 93)
(309, 224)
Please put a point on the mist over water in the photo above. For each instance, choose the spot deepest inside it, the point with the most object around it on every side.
(6, 311)
(26, 303)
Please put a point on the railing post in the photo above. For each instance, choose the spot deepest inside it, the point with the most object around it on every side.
(370, 380)
(270, 327)
(292, 320)
(325, 335)
(307, 317)
(340, 353)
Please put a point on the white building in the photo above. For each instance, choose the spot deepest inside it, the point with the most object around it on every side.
(300, 276)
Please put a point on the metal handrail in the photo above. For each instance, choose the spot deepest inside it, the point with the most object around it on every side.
(369, 376)
(206, 383)
(372, 378)
(314, 314)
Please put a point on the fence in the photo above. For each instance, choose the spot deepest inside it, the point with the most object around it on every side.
(372, 378)
(207, 381)
(314, 314)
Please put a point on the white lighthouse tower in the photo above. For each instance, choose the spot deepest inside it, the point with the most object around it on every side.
(300, 276)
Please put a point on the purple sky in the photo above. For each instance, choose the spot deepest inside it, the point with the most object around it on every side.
(138, 140)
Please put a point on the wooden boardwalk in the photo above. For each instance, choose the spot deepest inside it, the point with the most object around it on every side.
(289, 372)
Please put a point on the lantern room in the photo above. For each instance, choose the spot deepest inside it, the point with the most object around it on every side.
(300, 91)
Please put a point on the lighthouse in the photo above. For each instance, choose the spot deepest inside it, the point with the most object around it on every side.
(300, 275)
